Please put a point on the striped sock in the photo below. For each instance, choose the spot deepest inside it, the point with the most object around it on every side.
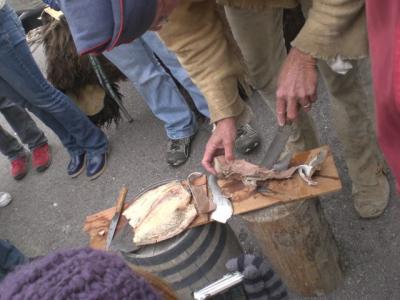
(260, 281)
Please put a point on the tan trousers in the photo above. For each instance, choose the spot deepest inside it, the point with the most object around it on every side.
(260, 37)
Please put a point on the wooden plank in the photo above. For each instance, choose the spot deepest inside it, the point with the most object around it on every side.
(243, 199)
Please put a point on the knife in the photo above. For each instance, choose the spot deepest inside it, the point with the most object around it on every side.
(114, 221)
(277, 146)
(275, 149)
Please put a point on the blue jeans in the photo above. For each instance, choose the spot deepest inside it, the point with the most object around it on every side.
(10, 257)
(22, 81)
(136, 60)
(23, 125)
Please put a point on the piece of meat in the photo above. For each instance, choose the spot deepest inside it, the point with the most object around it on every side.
(248, 173)
(167, 220)
(142, 206)
(198, 186)
(161, 213)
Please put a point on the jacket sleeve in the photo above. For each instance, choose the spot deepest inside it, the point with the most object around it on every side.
(333, 28)
(195, 32)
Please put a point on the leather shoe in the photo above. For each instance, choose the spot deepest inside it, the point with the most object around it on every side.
(76, 165)
(96, 165)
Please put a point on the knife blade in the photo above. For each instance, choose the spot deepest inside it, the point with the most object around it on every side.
(114, 221)
(277, 146)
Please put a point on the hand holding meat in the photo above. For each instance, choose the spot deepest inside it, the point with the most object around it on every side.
(221, 141)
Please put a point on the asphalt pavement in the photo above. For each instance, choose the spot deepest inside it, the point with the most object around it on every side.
(49, 209)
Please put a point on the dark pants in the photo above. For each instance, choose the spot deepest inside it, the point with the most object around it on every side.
(10, 257)
(23, 125)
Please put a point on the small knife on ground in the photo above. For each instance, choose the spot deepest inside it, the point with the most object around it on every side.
(114, 221)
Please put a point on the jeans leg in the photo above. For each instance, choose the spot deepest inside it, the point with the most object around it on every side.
(9, 145)
(137, 62)
(23, 125)
(66, 139)
(171, 61)
(10, 257)
(19, 72)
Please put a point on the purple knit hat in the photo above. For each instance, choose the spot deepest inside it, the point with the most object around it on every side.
(76, 274)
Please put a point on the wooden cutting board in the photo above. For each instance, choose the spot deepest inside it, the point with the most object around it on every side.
(243, 199)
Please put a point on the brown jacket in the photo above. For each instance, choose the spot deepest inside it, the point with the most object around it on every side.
(195, 33)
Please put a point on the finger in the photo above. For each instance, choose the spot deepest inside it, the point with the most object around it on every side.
(208, 158)
(281, 110)
(305, 103)
(313, 96)
(228, 148)
(292, 108)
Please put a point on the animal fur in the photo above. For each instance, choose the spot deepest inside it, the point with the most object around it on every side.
(69, 72)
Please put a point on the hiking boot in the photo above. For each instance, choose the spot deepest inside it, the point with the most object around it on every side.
(41, 157)
(19, 167)
(370, 201)
(247, 139)
(5, 199)
(178, 151)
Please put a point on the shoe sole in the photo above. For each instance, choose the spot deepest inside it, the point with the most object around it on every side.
(181, 162)
(21, 176)
(79, 172)
(250, 147)
(177, 164)
(98, 174)
(44, 167)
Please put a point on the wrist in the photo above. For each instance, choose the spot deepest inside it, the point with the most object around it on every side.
(305, 57)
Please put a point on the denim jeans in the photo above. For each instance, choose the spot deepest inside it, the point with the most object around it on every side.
(137, 61)
(10, 257)
(22, 81)
(23, 125)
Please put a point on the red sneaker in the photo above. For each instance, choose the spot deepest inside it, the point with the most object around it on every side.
(19, 167)
(41, 157)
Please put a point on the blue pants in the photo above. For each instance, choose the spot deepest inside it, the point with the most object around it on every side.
(136, 60)
(10, 257)
(22, 81)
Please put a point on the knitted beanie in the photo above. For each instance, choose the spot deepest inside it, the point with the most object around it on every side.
(76, 274)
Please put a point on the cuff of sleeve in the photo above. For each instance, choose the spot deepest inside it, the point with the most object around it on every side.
(312, 41)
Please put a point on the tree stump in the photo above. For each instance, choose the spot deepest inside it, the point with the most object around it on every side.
(300, 245)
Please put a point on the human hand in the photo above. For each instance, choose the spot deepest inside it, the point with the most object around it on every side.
(222, 141)
(297, 86)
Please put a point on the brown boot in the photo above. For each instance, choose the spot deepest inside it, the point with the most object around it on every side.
(370, 201)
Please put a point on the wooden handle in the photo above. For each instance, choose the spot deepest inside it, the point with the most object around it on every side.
(121, 200)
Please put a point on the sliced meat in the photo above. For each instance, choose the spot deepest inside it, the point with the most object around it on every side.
(161, 213)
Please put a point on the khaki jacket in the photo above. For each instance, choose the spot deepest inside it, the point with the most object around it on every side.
(195, 32)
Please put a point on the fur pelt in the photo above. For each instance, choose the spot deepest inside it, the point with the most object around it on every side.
(69, 72)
